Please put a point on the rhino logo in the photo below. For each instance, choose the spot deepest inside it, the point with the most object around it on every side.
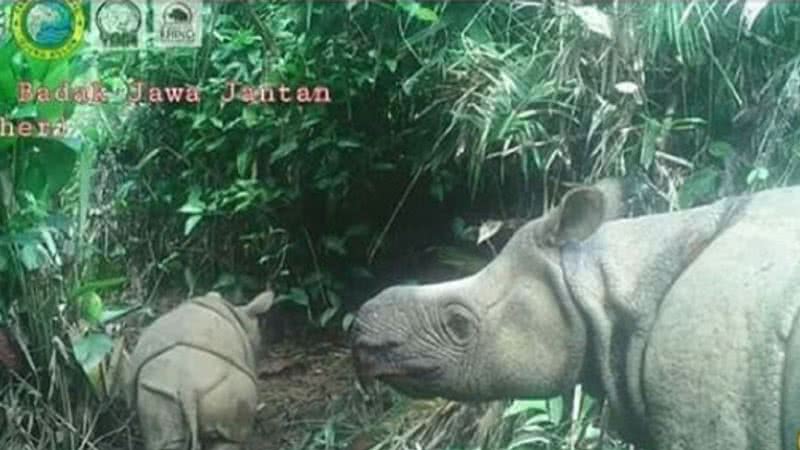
(179, 24)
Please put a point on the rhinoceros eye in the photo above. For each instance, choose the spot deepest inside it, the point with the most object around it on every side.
(459, 324)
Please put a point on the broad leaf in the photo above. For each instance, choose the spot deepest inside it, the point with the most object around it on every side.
(191, 223)
(594, 19)
(90, 350)
(193, 205)
(488, 229)
(91, 307)
(751, 10)
(50, 166)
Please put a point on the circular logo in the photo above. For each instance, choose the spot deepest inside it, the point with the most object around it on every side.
(119, 22)
(48, 29)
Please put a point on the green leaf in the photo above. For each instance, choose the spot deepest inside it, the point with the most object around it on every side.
(250, 117)
(33, 181)
(522, 406)
(8, 80)
(283, 150)
(555, 408)
(334, 244)
(699, 186)
(193, 204)
(720, 149)
(197, 123)
(595, 19)
(91, 349)
(113, 315)
(751, 10)
(437, 191)
(347, 143)
(91, 307)
(296, 296)
(652, 130)
(347, 321)
(191, 223)
(38, 67)
(98, 285)
(334, 299)
(587, 404)
(31, 257)
(757, 174)
(417, 11)
(225, 280)
(360, 272)
(243, 160)
(50, 166)
(327, 315)
(7, 143)
(25, 111)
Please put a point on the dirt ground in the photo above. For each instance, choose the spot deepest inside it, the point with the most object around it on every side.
(297, 383)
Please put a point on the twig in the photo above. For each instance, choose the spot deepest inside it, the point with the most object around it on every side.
(675, 159)
(322, 289)
(396, 211)
(267, 39)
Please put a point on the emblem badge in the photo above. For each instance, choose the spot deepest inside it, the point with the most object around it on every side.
(48, 29)
(118, 24)
(178, 23)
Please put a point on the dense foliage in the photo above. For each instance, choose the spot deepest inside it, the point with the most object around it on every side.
(449, 122)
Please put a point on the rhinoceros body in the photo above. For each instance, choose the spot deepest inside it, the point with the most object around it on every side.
(686, 321)
(192, 375)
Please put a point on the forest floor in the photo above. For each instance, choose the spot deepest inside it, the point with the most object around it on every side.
(297, 385)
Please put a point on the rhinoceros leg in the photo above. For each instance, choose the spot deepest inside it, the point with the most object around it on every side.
(162, 420)
(189, 404)
(227, 409)
(169, 419)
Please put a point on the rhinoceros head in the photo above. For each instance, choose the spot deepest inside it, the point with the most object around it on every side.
(507, 331)
(249, 314)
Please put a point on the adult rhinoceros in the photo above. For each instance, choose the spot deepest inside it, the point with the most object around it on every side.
(685, 321)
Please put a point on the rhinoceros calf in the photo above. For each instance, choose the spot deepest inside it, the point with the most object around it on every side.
(687, 322)
(192, 376)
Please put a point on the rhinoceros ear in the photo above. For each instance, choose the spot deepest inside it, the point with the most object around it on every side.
(261, 304)
(580, 214)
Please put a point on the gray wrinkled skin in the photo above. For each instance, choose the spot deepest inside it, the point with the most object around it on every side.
(192, 375)
(681, 320)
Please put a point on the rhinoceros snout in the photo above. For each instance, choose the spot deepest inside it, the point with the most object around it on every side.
(369, 336)
(372, 343)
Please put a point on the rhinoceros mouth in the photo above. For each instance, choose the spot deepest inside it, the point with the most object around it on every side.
(388, 368)
(400, 371)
